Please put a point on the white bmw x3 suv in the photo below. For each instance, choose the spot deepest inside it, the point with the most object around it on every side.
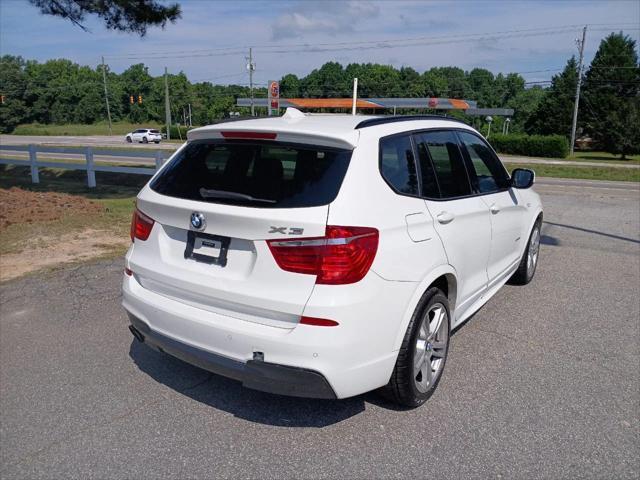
(326, 256)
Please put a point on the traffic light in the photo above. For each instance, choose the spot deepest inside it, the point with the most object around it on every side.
(140, 99)
(131, 99)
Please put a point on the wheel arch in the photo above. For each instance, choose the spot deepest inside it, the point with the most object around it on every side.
(443, 277)
(538, 216)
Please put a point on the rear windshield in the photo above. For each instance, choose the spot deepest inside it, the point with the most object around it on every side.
(154, 131)
(256, 174)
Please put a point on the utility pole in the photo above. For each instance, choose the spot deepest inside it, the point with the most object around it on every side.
(166, 104)
(251, 66)
(355, 96)
(578, 84)
(190, 124)
(106, 95)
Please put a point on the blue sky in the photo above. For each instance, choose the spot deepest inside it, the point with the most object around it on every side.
(208, 27)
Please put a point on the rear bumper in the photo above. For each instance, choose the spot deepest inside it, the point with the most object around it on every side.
(355, 357)
(255, 374)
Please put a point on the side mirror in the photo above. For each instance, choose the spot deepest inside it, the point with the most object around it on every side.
(522, 178)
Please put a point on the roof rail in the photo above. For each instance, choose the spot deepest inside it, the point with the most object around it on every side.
(402, 118)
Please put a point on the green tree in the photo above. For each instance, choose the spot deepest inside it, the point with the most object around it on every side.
(327, 81)
(60, 91)
(122, 15)
(612, 96)
(290, 86)
(447, 82)
(483, 85)
(555, 112)
(524, 103)
(135, 81)
(13, 109)
(434, 84)
(410, 82)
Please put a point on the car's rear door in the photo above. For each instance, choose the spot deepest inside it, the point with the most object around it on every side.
(490, 180)
(406, 227)
(245, 192)
(462, 219)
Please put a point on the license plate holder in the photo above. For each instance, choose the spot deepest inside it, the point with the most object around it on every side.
(205, 242)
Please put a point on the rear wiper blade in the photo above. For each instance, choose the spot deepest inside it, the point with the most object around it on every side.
(209, 193)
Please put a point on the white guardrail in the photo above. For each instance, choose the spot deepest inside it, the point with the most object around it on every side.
(158, 156)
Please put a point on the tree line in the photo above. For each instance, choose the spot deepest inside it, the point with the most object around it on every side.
(61, 91)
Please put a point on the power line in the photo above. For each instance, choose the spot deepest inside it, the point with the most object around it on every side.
(359, 45)
(218, 77)
(376, 43)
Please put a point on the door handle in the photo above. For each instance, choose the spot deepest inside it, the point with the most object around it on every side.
(445, 217)
(494, 208)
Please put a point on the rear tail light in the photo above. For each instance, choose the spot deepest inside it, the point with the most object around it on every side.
(344, 255)
(141, 225)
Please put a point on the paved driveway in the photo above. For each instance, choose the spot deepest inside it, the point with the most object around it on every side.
(542, 382)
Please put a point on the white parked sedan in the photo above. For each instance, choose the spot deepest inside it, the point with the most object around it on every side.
(326, 255)
(144, 135)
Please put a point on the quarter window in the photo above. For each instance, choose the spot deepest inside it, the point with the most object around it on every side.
(444, 153)
(427, 174)
(487, 174)
(397, 164)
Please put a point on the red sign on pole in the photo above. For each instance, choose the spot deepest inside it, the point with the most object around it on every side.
(274, 98)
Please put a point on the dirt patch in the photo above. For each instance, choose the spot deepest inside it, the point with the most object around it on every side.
(67, 248)
(18, 206)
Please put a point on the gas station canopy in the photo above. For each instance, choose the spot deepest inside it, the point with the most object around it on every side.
(382, 103)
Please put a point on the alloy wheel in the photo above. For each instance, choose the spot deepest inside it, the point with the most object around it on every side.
(533, 251)
(431, 347)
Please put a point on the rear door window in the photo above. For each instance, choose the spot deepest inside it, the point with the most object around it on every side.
(487, 173)
(446, 158)
(397, 164)
(256, 174)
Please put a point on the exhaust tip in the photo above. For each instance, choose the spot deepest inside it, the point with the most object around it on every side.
(136, 333)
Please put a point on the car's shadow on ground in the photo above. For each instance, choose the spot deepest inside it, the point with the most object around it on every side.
(229, 395)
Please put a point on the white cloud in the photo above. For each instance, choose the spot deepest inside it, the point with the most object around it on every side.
(328, 17)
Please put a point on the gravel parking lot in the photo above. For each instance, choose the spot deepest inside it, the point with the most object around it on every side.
(543, 382)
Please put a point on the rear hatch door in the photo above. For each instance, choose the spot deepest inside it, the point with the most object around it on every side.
(215, 205)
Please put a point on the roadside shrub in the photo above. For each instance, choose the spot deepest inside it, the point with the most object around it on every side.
(554, 146)
(175, 135)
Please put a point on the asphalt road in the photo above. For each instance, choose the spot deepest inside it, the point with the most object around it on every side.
(543, 382)
(86, 141)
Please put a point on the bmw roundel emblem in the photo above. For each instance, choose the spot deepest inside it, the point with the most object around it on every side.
(197, 221)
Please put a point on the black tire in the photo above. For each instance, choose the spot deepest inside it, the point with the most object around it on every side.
(129, 140)
(156, 142)
(402, 387)
(145, 140)
(524, 274)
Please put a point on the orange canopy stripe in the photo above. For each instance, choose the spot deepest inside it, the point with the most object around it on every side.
(331, 103)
